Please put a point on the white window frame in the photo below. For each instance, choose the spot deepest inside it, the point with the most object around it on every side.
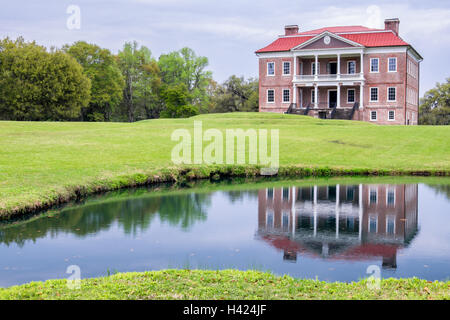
(392, 218)
(267, 194)
(354, 96)
(373, 189)
(387, 96)
(370, 94)
(312, 69)
(389, 117)
(389, 64)
(348, 66)
(387, 193)
(287, 74)
(267, 95)
(270, 75)
(376, 115)
(282, 95)
(378, 65)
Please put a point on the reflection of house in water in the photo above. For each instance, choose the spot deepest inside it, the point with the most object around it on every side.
(339, 222)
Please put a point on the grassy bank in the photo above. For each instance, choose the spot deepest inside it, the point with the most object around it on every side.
(225, 284)
(43, 164)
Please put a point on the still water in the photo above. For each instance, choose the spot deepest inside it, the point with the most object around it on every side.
(332, 232)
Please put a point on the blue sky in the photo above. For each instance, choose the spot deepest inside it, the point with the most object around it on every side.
(227, 32)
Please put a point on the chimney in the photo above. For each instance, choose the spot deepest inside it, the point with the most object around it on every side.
(290, 30)
(392, 24)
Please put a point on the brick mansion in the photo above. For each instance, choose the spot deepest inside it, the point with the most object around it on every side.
(353, 72)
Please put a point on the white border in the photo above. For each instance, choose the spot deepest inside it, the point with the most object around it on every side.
(395, 64)
(370, 66)
(267, 71)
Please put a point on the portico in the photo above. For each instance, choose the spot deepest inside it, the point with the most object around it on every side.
(324, 71)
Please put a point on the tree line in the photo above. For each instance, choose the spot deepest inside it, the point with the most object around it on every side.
(84, 82)
(435, 105)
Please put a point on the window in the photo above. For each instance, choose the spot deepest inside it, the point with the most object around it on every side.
(270, 68)
(350, 194)
(391, 116)
(390, 225)
(270, 193)
(392, 64)
(313, 68)
(269, 218)
(313, 96)
(373, 194)
(373, 224)
(351, 95)
(374, 94)
(285, 221)
(286, 68)
(373, 116)
(286, 95)
(351, 67)
(392, 94)
(285, 193)
(270, 95)
(374, 64)
(390, 197)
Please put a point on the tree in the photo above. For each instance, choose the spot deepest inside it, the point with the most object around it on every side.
(131, 61)
(236, 94)
(148, 90)
(176, 98)
(40, 85)
(185, 67)
(435, 105)
(100, 66)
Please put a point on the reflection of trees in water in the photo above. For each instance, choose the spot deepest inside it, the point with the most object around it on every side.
(238, 195)
(441, 188)
(132, 215)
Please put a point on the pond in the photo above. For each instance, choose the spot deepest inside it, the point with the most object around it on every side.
(315, 229)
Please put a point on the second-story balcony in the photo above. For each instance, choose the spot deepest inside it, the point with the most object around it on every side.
(328, 77)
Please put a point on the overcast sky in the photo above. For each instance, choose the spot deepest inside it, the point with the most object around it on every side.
(228, 32)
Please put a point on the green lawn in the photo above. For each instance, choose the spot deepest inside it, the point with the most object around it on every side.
(42, 163)
(225, 284)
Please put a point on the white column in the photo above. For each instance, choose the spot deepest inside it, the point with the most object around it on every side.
(294, 94)
(338, 100)
(338, 66)
(293, 212)
(315, 210)
(361, 95)
(360, 210)
(295, 66)
(361, 64)
(337, 211)
(316, 72)
(316, 96)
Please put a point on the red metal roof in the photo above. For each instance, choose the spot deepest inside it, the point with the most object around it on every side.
(364, 36)
(285, 44)
(376, 39)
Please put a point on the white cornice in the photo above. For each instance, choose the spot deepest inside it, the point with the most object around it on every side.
(323, 34)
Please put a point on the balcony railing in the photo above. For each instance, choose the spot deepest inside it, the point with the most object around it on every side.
(328, 77)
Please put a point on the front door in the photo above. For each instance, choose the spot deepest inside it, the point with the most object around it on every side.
(332, 98)
(333, 67)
